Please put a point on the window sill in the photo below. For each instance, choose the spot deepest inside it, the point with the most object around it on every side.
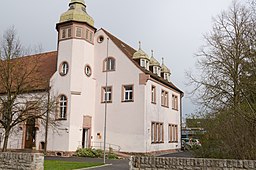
(61, 119)
(108, 70)
(175, 109)
(153, 102)
(125, 101)
(106, 102)
(173, 141)
(165, 106)
(157, 142)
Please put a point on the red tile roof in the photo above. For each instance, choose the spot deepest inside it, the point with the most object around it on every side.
(129, 51)
(41, 67)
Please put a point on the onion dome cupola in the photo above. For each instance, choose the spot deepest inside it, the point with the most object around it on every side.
(165, 71)
(141, 57)
(154, 65)
(77, 12)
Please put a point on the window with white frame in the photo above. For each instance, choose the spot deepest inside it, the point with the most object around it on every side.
(164, 98)
(62, 107)
(175, 102)
(144, 63)
(109, 64)
(127, 93)
(107, 94)
(159, 71)
(173, 133)
(63, 70)
(157, 132)
(153, 94)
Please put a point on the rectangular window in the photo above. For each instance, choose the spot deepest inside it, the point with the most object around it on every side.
(157, 132)
(107, 94)
(69, 32)
(164, 98)
(87, 34)
(90, 36)
(63, 33)
(78, 32)
(153, 94)
(128, 93)
(173, 133)
(143, 63)
(174, 102)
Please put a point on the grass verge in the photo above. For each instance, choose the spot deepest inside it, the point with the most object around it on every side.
(64, 165)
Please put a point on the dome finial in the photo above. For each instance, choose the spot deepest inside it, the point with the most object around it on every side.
(162, 60)
(152, 53)
(139, 45)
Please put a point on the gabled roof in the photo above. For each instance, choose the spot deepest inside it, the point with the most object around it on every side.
(129, 51)
(42, 67)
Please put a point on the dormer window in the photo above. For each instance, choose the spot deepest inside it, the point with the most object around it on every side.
(167, 76)
(157, 70)
(144, 63)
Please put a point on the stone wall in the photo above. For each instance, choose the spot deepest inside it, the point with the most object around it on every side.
(21, 161)
(157, 163)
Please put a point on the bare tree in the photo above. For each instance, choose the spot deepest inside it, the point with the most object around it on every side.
(23, 95)
(225, 88)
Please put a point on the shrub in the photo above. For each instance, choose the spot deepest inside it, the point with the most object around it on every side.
(94, 153)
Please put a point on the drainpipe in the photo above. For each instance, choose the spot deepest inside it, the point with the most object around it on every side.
(181, 118)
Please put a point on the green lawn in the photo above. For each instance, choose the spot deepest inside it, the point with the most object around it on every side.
(63, 165)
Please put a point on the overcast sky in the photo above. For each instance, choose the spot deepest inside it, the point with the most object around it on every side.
(172, 28)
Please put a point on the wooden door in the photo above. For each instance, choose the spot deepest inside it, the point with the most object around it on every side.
(30, 136)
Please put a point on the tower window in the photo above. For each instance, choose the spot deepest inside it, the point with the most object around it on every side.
(69, 32)
(66, 33)
(62, 105)
(87, 34)
(78, 32)
(90, 36)
(87, 70)
(63, 33)
(64, 68)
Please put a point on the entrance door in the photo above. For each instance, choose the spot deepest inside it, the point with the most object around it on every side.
(30, 136)
(85, 138)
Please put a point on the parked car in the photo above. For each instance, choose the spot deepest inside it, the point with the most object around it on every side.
(188, 143)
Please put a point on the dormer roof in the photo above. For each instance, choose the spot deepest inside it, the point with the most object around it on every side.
(165, 69)
(140, 54)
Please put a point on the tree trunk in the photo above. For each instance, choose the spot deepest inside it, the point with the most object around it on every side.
(6, 137)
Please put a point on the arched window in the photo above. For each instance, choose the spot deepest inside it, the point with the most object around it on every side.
(63, 68)
(109, 64)
(62, 107)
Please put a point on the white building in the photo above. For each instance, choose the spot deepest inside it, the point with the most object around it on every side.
(94, 73)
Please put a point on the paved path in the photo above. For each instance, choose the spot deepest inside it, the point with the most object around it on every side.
(120, 164)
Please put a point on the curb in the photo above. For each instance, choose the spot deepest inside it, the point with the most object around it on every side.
(94, 167)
